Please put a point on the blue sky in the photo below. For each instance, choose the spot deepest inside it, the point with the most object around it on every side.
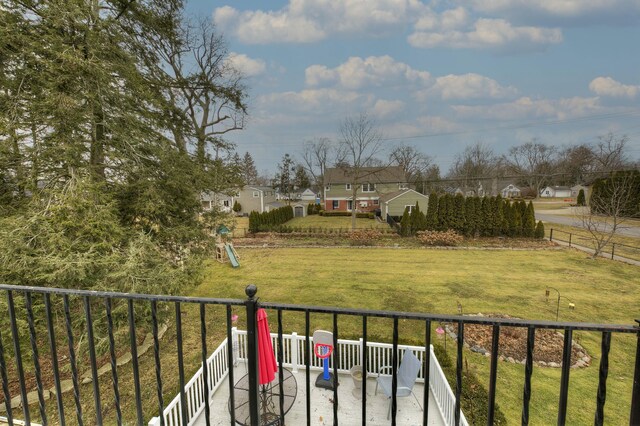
(438, 74)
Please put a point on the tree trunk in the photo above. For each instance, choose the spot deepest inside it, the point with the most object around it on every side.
(354, 193)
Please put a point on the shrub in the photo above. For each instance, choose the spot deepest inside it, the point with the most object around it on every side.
(439, 238)
(539, 230)
(236, 207)
(581, 198)
(365, 237)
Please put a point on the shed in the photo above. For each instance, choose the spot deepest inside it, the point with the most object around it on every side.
(299, 209)
(393, 204)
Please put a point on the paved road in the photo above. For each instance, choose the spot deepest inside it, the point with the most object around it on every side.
(627, 230)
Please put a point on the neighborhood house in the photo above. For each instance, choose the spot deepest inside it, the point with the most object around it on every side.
(373, 182)
(556, 192)
(250, 198)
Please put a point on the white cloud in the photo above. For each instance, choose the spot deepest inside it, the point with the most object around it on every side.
(312, 100)
(305, 21)
(496, 34)
(562, 11)
(527, 108)
(357, 73)
(385, 109)
(247, 66)
(607, 86)
(470, 86)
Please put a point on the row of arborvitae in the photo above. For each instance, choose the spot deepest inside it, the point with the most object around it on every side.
(268, 220)
(473, 217)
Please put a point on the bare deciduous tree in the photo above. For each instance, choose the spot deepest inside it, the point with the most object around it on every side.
(476, 161)
(534, 161)
(412, 161)
(361, 141)
(316, 156)
(610, 208)
(609, 152)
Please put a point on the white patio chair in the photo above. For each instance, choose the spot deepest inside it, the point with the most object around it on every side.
(407, 375)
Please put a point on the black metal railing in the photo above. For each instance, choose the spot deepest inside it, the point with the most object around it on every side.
(58, 303)
(612, 249)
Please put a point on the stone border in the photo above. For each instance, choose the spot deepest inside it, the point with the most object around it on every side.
(67, 385)
(584, 360)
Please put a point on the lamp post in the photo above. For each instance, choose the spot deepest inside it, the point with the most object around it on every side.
(572, 305)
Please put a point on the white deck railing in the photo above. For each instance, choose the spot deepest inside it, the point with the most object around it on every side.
(349, 353)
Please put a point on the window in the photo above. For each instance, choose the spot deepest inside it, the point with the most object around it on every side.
(376, 202)
(225, 203)
(349, 204)
(256, 194)
(336, 204)
(363, 204)
(348, 187)
(403, 186)
(409, 207)
(327, 188)
(368, 187)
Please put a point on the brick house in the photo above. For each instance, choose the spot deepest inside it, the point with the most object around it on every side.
(374, 182)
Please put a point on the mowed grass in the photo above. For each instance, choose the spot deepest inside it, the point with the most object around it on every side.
(339, 222)
(433, 281)
(625, 246)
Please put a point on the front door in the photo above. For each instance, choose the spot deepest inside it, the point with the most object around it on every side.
(349, 205)
(298, 211)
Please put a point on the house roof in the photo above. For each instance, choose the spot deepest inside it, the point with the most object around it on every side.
(261, 188)
(391, 174)
(393, 195)
(559, 188)
(513, 187)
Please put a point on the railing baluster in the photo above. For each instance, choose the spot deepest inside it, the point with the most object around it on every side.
(564, 379)
(603, 372)
(205, 379)
(528, 369)
(72, 359)
(635, 393)
(112, 356)
(92, 360)
(493, 373)
(427, 371)
(18, 356)
(156, 357)
(134, 361)
(5, 384)
(36, 357)
(365, 356)
(307, 362)
(394, 373)
(230, 343)
(336, 358)
(183, 397)
(459, 371)
(280, 360)
(54, 358)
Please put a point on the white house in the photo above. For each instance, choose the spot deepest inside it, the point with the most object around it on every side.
(308, 195)
(556, 192)
(510, 191)
(575, 190)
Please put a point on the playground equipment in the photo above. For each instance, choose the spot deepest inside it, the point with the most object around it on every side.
(224, 249)
(323, 348)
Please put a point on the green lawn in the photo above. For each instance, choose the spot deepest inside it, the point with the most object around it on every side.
(339, 222)
(509, 282)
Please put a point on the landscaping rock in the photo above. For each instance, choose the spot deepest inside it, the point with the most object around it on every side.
(542, 363)
(510, 359)
(32, 397)
(553, 364)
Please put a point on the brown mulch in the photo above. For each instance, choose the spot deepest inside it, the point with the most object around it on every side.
(548, 344)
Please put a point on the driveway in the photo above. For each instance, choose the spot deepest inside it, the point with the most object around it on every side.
(566, 217)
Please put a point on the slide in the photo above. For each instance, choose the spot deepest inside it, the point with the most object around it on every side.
(231, 255)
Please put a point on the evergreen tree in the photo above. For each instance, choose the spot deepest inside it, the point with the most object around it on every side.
(470, 216)
(505, 225)
(497, 215)
(249, 171)
(431, 220)
(539, 234)
(529, 224)
(517, 222)
(301, 179)
(581, 198)
(458, 218)
(485, 215)
(477, 207)
(405, 223)
(443, 212)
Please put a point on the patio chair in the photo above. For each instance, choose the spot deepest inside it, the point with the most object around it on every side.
(407, 375)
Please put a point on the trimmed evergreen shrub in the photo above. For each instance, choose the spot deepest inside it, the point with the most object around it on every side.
(405, 223)
(236, 207)
(529, 224)
(431, 220)
(539, 234)
(581, 198)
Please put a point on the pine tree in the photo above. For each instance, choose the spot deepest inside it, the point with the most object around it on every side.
(470, 216)
(485, 217)
(431, 220)
(249, 171)
(443, 212)
(529, 224)
(497, 216)
(517, 222)
(458, 214)
(415, 219)
(539, 234)
(405, 223)
(506, 217)
(581, 198)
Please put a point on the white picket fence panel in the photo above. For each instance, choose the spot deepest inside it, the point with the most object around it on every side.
(349, 355)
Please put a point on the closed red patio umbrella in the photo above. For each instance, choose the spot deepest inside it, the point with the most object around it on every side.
(267, 366)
